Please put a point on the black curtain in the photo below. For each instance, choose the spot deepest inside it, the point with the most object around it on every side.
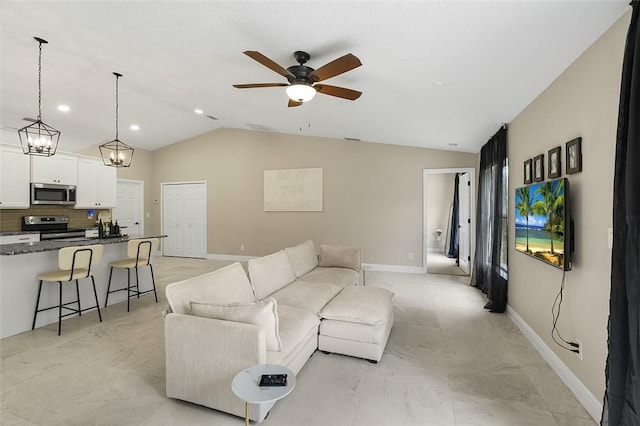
(491, 222)
(622, 394)
(454, 235)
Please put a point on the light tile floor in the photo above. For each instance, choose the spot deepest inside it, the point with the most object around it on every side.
(439, 263)
(447, 362)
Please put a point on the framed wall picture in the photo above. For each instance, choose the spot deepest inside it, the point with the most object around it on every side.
(554, 166)
(538, 168)
(574, 155)
(527, 171)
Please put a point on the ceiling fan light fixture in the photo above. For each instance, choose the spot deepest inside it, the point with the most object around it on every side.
(300, 92)
(39, 138)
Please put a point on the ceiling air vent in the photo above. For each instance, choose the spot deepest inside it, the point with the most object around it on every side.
(352, 139)
(211, 117)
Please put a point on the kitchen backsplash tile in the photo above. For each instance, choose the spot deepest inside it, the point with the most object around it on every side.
(11, 220)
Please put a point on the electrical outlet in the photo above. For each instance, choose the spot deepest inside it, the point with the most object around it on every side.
(410, 256)
(241, 247)
(579, 354)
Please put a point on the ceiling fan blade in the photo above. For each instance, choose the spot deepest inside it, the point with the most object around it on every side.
(336, 91)
(257, 56)
(336, 67)
(253, 85)
(293, 103)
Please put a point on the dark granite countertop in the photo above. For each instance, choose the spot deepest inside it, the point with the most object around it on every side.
(54, 245)
(2, 234)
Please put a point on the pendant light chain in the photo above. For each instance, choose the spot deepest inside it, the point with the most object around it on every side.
(40, 81)
(117, 77)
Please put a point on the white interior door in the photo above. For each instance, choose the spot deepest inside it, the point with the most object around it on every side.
(464, 220)
(129, 209)
(184, 214)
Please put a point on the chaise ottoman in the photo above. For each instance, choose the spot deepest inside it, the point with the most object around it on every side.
(357, 322)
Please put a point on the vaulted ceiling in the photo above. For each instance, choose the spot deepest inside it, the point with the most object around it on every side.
(440, 74)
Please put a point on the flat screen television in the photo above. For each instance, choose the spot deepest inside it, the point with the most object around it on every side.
(544, 229)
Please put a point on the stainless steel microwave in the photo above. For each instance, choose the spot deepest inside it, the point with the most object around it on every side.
(46, 193)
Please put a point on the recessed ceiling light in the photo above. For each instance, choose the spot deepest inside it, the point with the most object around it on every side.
(64, 108)
(134, 127)
(438, 83)
(198, 111)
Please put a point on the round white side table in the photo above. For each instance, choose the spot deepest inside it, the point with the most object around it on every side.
(246, 385)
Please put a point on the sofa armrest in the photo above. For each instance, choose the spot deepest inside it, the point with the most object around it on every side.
(340, 257)
(203, 355)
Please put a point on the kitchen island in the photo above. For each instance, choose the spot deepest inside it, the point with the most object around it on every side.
(21, 263)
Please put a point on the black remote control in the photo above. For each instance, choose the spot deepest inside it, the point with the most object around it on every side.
(273, 380)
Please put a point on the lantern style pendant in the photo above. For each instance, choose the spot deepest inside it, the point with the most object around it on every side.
(39, 138)
(116, 153)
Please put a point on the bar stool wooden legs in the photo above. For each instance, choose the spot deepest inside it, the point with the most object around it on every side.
(75, 263)
(139, 253)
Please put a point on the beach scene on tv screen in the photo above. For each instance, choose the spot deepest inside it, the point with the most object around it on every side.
(539, 218)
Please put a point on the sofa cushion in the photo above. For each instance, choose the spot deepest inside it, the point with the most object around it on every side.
(364, 305)
(343, 277)
(295, 327)
(306, 295)
(340, 256)
(263, 314)
(356, 332)
(225, 285)
(303, 257)
(270, 273)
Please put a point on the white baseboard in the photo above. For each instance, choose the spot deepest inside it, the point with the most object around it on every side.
(393, 268)
(365, 266)
(584, 396)
(229, 257)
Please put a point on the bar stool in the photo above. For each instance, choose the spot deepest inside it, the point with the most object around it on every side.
(75, 263)
(139, 254)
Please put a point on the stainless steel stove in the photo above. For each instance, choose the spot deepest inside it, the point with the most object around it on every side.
(52, 228)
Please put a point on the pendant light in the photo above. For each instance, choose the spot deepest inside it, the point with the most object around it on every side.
(116, 153)
(39, 138)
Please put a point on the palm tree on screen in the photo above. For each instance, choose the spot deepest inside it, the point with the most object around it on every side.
(524, 207)
(551, 206)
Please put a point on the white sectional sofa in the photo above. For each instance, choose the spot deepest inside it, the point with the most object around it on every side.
(221, 322)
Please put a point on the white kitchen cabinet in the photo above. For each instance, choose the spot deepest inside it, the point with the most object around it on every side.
(61, 169)
(19, 238)
(14, 178)
(96, 184)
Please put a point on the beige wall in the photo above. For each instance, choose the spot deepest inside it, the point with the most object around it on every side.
(372, 192)
(583, 101)
(439, 193)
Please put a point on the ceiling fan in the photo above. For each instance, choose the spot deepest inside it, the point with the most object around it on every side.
(303, 80)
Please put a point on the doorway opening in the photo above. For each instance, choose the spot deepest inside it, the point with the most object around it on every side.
(446, 222)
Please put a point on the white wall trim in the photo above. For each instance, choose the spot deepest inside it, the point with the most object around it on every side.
(586, 398)
(365, 266)
(393, 268)
(229, 257)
